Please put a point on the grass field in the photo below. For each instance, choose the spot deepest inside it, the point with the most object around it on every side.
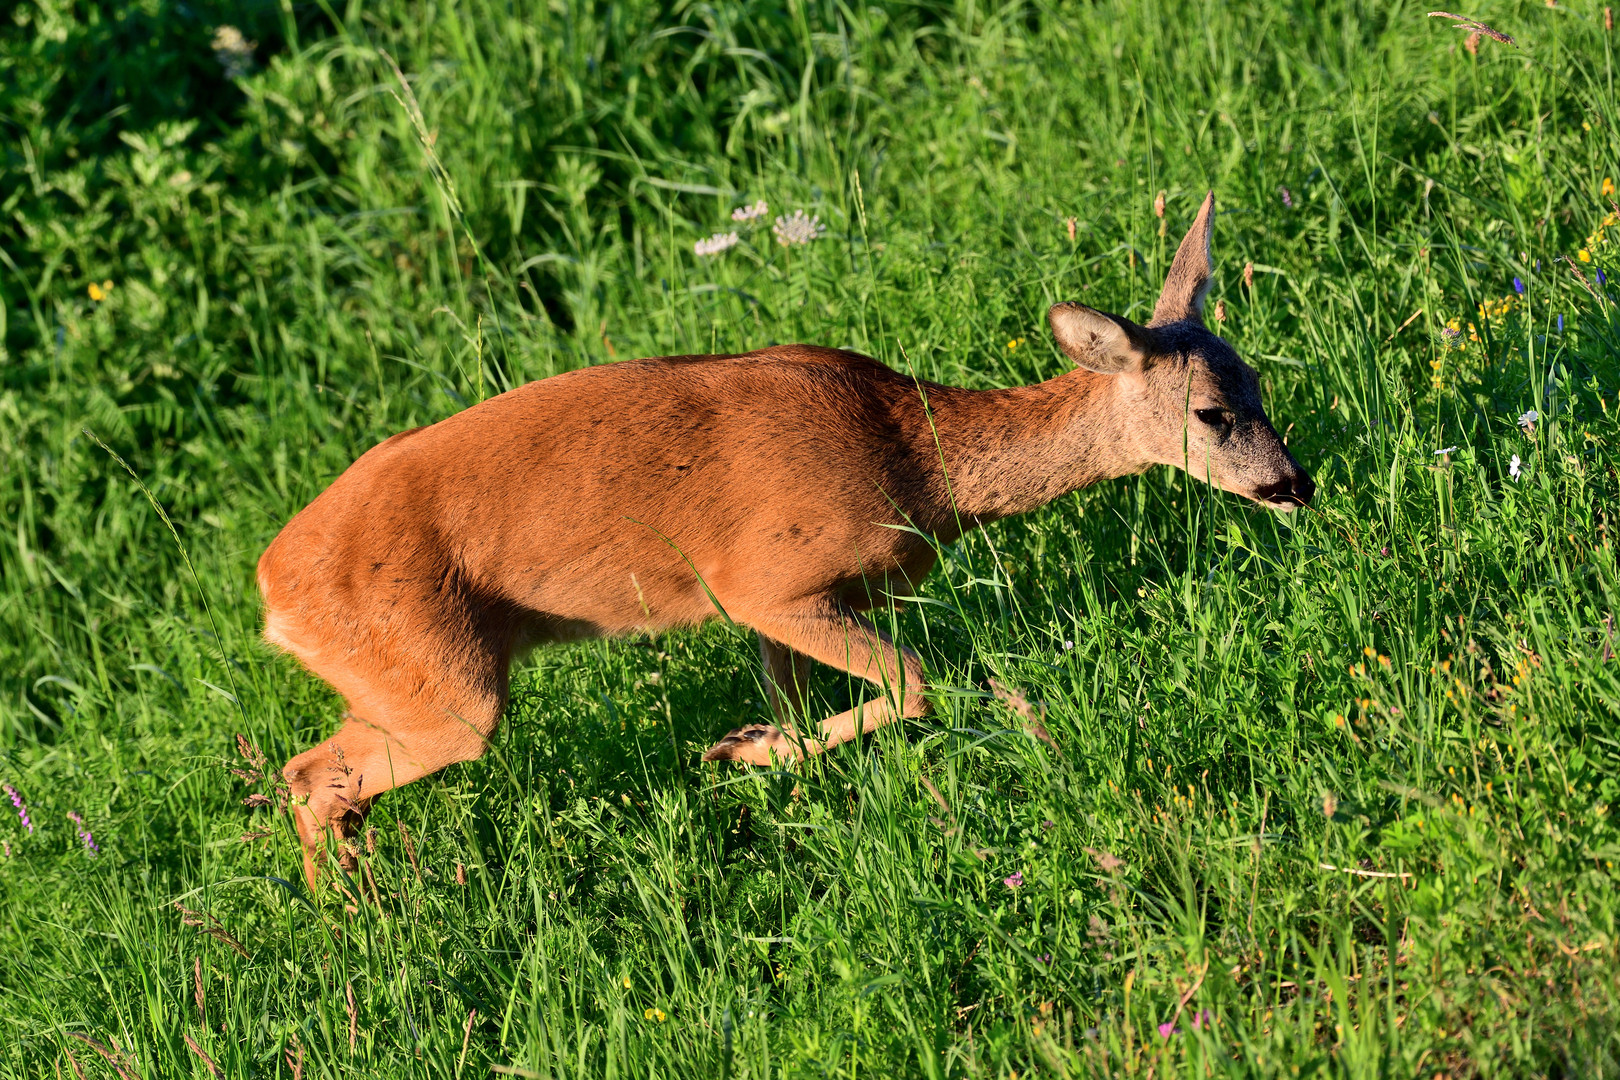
(1332, 794)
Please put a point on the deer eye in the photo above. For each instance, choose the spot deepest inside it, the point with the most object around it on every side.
(1217, 418)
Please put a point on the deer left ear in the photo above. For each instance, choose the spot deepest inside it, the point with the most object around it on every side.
(1187, 283)
(1098, 341)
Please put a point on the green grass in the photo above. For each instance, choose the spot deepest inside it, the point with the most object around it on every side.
(1340, 782)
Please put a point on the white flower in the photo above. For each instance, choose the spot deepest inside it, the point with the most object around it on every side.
(1527, 421)
(749, 213)
(1513, 467)
(1447, 450)
(1067, 645)
(797, 229)
(715, 244)
(233, 51)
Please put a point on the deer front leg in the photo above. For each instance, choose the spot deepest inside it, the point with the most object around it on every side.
(844, 639)
(787, 679)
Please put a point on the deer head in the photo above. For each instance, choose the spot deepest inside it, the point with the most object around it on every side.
(1187, 399)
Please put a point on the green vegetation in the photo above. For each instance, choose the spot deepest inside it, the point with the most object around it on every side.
(1330, 795)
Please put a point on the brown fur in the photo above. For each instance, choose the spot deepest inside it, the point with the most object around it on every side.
(640, 496)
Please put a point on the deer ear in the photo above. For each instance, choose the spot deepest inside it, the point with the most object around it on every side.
(1097, 341)
(1188, 280)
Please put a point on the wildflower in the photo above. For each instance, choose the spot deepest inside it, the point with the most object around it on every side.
(1045, 958)
(749, 213)
(1012, 346)
(1287, 198)
(233, 51)
(1107, 860)
(1168, 1028)
(798, 229)
(84, 833)
(1158, 205)
(1584, 255)
(22, 811)
(715, 244)
(654, 1014)
(1608, 181)
(1202, 1018)
(1602, 278)
(1527, 421)
(1514, 469)
(627, 982)
(1451, 337)
(98, 293)
(1518, 286)
(1560, 322)
(1068, 645)
(1015, 880)
(1447, 450)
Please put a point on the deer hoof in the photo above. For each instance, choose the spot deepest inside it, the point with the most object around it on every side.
(752, 745)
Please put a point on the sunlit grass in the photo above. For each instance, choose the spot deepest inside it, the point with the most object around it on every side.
(1328, 794)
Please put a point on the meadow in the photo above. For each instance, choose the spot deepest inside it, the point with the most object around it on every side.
(1329, 794)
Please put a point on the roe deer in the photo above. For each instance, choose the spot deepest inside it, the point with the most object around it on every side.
(644, 495)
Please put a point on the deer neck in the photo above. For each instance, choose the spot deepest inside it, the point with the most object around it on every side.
(1010, 451)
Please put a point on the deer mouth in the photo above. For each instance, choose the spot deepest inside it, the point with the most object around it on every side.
(1287, 494)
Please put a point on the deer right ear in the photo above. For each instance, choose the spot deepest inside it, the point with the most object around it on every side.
(1098, 341)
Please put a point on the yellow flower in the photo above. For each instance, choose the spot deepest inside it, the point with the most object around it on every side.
(654, 1014)
(1584, 255)
(1608, 186)
(98, 293)
(627, 982)
(1014, 343)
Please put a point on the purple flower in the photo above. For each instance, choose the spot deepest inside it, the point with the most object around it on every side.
(22, 811)
(1014, 881)
(1168, 1028)
(1201, 1018)
(1045, 958)
(84, 833)
(1560, 322)
(1518, 286)
(1603, 279)
(1287, 197)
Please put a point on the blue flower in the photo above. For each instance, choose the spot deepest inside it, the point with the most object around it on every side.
(1603, 279)
(1560, 323)
(1518, 286)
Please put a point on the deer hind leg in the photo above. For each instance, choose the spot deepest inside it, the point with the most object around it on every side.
(405, 721)
(844, 639)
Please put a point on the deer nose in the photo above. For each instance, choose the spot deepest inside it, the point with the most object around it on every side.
(1295, 489)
